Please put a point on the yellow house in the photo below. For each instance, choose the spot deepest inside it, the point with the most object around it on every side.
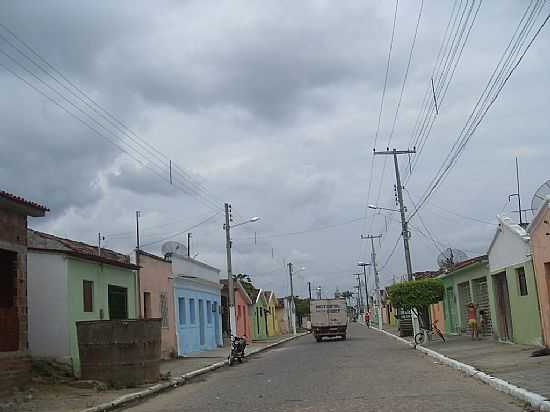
(272, 320)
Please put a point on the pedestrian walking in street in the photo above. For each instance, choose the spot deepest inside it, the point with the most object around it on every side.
(367, 319)
(472, 320)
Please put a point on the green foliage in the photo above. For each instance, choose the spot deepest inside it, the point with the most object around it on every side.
(302, 306)
(246, 281)
(416, 294)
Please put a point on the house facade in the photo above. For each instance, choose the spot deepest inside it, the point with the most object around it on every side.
(242, 303)
(271, 315)
(15, 364)
(468, 282)
(157, 298)
(516, 309)
(539, 231)
(283, 315)
(71, 281)
(258, 315)
(197, 301)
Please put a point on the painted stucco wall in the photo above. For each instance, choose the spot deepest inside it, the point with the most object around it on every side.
(102, 275)
(526, 326)
(451, 305)
(258, 319)
(183, 265)
(282, 318)
(509, 247)
(187, 293)
(48, 305)
(155, 279)
(272, 322)
(243, 319)
(540, 245)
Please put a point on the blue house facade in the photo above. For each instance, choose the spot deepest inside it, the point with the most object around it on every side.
(197, 302)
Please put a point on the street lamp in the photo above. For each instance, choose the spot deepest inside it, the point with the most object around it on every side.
(231, 291)
(292, 305)
(383, 208)
(364, 265)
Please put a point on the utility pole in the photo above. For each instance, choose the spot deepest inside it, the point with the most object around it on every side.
(360, 293)
(518, 194)
(364, 265)
(293, 307)
(99, 238)
(404, 224)
(319, 292)
(376, 277)
(230, 291)
(189, 244)
(309, 290)
(138, 278)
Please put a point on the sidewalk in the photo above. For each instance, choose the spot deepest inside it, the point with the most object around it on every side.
(52, 395)
(509, 362)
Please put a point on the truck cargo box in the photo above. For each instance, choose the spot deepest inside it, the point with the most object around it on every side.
(328, 318)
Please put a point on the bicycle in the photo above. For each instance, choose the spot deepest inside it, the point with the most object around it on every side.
(420, 337)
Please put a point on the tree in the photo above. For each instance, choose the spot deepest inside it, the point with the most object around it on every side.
(416, 295)
(246, 281)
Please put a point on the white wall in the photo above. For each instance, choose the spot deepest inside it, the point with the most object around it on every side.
(508, 249)
(47, 305)
(182, 265)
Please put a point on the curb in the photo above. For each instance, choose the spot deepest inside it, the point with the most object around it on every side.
(177, 381)
(534, 399)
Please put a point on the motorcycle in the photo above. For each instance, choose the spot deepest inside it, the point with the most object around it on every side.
(238, 345)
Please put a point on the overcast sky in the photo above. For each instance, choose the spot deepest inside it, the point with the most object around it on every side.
(272, 106)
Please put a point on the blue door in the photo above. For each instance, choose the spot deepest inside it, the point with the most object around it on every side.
(202, 326)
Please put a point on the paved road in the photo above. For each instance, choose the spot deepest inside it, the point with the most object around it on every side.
(369, 372)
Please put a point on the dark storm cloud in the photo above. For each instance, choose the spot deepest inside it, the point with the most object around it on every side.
(276, 106)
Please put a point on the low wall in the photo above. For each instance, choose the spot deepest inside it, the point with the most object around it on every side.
(121, 353)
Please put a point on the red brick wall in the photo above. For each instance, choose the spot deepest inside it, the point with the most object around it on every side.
(15, 367)
(14, 227)
(14, 373)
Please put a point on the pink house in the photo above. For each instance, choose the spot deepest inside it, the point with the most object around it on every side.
(157, 298)
(539, 230)
(242, 301)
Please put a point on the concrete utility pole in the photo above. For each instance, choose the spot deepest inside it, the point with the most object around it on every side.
(309, 289)
(189, 244)
(138, 279)
(230, 291)
(365, 265)
(376, 277)
(360, 302)
(404, 224)
(292, 305)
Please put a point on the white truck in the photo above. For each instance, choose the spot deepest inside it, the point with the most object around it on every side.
(328, 318)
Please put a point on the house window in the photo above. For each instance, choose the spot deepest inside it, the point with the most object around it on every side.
(192, 311)
(118, 302)
(181, 310)
(88, 295)
(522, 281)
(208, 312)
(163, 310)
(147, 305)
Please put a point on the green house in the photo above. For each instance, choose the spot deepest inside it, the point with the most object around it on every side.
(70, 281)
(516, 305)
(258, 312)
(468, 282)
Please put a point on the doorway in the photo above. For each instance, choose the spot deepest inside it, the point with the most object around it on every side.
(464, 299)
(450, 310)
(9, 319)
(201, 323)
(504, 317)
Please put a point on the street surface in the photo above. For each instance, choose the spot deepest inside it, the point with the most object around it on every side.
(369, 372)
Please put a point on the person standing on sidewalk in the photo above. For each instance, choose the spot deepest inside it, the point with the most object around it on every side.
(472, 320)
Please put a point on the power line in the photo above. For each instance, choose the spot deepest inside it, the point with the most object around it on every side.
(508, 63)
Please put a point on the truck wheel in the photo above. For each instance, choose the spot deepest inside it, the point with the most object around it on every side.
(318, 338)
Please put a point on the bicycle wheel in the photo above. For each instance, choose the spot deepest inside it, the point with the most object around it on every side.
(419, 338)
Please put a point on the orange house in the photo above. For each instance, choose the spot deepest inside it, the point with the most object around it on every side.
(242, 301)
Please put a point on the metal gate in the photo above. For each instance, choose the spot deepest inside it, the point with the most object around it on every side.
(464, 298)
(481, 298)
(450, 311)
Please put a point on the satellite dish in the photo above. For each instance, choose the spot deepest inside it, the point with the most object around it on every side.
(173, 248)
(450, 257)
(540, 195)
